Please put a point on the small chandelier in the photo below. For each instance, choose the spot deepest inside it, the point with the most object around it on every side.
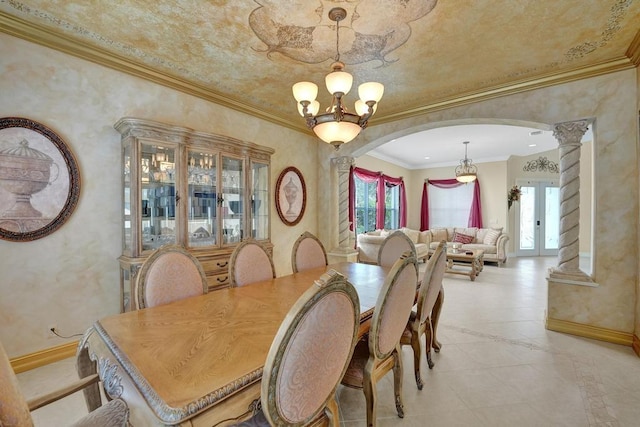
(336, 125)
(466, 171)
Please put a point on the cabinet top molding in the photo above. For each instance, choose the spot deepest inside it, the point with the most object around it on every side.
(143, 128)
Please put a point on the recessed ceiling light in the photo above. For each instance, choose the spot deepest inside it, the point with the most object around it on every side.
(532, 145)
(427, 157)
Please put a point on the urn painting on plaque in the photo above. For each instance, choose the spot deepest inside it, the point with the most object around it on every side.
(39, 180)
(291, 196)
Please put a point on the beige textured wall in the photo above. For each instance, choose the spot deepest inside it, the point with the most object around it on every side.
(71, 278)
(612, 101)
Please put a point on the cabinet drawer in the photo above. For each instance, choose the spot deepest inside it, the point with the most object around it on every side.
(218, 281)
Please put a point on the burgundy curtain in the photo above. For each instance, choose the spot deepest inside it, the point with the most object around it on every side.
(475, 214)
(424, 209)
(382, 181)
(402, 214)
(475, 217)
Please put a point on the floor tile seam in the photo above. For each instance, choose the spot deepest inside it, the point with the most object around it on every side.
(587, 378)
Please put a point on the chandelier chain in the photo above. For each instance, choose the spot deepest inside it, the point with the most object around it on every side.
(337, 40)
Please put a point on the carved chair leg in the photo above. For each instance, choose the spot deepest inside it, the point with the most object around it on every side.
(397, 381)
(371, 396)
(435, 318)
(415, 345)
(86, 367)
(333, 413)
(428, 342)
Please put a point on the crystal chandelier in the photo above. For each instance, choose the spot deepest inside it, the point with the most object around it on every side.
(336, 125)
(466, 171)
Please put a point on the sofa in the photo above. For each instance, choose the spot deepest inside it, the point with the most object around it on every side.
(493, 241)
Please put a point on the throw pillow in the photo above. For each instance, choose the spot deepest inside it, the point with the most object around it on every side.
(462, 238)
(491, 237)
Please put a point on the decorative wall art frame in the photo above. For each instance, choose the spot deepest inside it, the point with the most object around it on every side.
(291, 196)
(39, 180)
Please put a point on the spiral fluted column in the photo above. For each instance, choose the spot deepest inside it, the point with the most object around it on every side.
(569, 135)
(345, 249)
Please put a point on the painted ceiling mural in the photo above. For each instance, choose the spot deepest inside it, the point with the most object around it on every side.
(427, 53)
(371, 30)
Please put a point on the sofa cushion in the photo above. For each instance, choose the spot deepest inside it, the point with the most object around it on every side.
(439, 234)
(491, 237)
(411, 234)
(385, 233)
(462, 238)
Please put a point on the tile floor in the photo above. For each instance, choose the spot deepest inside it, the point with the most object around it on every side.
(498, 366)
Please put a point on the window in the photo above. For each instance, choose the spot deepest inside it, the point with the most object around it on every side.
(449, 207)
(365, 205)
(392, 207)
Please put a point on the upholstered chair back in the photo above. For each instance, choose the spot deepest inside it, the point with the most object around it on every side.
(432, 282)
(310, 352)
(169, 274)
(393, 247)
(249, 263)
(308, 252)
(13, 406)
(393, 306)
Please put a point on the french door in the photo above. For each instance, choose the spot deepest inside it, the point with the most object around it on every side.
(538, 218)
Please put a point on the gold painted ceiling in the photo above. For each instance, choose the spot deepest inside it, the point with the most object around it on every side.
(428, 54)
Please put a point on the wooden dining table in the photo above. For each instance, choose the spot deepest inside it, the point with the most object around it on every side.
(199, 361)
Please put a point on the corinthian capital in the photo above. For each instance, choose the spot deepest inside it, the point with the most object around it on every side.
(570, 133)
(343, 163)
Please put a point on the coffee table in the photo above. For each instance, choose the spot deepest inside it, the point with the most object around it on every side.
(466, 262)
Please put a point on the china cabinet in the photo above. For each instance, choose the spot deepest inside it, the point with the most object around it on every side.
(204, 191)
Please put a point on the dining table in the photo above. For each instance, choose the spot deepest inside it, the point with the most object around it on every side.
(199, 361)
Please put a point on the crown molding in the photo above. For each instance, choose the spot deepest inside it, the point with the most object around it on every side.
(20, 28)
(550, 79)
(633, 53)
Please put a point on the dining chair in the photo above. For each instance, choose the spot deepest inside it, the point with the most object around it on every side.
(15, 410)
(308, 252)
(380, 352)
(420, 322)
(309, 356)
(393, 247)
(250, 262)
(170, 274)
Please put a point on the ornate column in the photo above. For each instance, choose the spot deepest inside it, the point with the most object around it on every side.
(569, 135)
(345, 250)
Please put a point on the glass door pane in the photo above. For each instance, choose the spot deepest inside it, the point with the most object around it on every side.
(551, 215)
(260, 201)
(158, 191)
(232, 200)
(202, 199)
(528, 229)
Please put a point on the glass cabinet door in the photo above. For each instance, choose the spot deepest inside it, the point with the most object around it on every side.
(126, 198)
(232, 201)
(260, 201)
(158, 195)
(202, 204)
